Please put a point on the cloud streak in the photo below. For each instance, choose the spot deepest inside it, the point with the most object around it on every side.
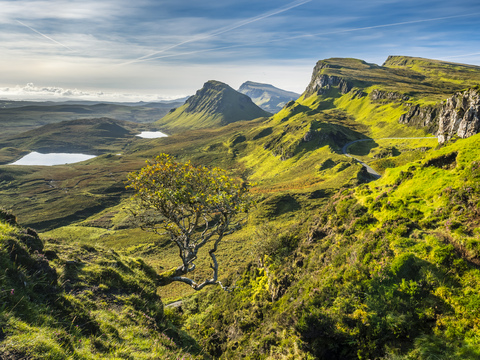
(223, 30)
(145, 58)
(45, 36)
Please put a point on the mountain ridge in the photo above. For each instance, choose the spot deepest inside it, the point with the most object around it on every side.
(215, 104)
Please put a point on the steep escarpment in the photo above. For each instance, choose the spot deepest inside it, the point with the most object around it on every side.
(458, 116)
(322, 80)
(215, 104)
(422, 117)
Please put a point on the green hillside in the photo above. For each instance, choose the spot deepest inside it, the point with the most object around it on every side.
(20, 116)
(216, 104)
(63, 301)
(331, 264)
(386, 269)
(98, 136)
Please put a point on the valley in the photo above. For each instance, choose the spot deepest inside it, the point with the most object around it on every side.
(335, 261)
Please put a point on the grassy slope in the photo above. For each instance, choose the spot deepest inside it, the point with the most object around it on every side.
(80, 302)
(283, 188)
(391, 267)
(214, 105)
(17, 120)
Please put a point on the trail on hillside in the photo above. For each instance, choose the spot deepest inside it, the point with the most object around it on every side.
(372, 172)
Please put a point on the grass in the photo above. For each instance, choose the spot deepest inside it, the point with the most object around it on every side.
(389, 153)
(216, 104)
(388, 269)
(18, 119)
(73, 300)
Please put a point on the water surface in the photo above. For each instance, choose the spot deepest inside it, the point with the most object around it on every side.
(35, 158)
(151, 134)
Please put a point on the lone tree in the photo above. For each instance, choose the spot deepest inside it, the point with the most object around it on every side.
(197, 207)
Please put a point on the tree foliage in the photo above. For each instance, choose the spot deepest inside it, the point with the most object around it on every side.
(197, 206)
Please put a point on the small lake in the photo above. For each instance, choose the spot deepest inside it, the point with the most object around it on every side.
(152, 134)
(35, 158)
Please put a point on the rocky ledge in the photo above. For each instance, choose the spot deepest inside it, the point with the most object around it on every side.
(458, 116)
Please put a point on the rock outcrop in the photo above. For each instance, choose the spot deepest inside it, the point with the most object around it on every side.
(388, 95)
(321, 82)
(458, 116)
(422, 117)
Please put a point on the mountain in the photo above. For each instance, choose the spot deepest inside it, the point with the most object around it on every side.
(266, 96)
(216, 104)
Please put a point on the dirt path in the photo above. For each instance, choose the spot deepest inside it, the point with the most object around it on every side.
(372, 172)
(174, 304)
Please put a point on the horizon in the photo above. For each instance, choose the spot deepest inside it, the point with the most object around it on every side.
(152, 52)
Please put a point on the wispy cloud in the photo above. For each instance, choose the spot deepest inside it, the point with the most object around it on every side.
(45, 36)
(216, 40)
(295, 37)
(59, 9)
(461, 56)
(223, 30)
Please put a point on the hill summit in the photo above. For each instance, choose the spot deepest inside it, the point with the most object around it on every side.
(268, 97)
(215, 104)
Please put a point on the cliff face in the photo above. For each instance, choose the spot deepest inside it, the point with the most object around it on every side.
(460, 116)
(422, 117)
(321, 82)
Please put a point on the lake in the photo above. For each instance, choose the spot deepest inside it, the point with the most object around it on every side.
(35, 158)
(151, 134)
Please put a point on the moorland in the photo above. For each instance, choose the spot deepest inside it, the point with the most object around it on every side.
(332, 263)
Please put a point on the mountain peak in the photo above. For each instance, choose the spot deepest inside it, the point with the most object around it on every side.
(215, 104)
(268, 97)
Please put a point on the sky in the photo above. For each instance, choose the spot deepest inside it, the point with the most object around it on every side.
(148, 50)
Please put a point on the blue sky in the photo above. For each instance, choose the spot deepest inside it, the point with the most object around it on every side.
(150, 49)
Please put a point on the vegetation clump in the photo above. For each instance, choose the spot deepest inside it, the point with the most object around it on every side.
(197, 206)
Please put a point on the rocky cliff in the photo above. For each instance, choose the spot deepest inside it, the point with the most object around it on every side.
(321, 82)
(458, 116)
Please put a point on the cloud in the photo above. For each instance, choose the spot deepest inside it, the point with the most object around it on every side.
(45, 36)
(58, 9)
(224, 30)
(53, 93)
